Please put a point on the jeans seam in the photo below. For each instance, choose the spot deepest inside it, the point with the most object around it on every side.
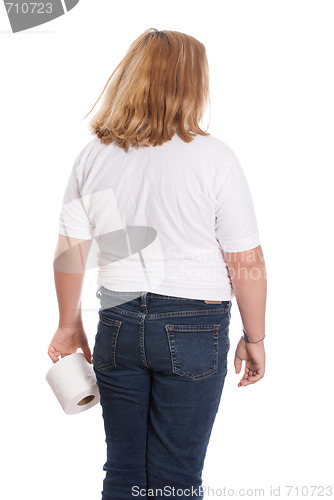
(173, 314)
(142, 341)
(152, 316)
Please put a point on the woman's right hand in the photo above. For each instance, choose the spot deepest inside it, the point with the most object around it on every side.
(254, 356)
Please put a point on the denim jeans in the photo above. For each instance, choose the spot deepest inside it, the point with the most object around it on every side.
(160, 363)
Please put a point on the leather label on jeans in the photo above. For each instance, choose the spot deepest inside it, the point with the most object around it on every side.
(213, 301)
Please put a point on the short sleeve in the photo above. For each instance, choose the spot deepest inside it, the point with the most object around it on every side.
(235, 225)
(73, 219)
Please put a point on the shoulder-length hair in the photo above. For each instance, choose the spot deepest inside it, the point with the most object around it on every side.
(161, 87)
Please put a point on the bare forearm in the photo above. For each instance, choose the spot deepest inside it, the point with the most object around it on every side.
(251, 299)
(249, 280)
(69, 288)
(69, 271)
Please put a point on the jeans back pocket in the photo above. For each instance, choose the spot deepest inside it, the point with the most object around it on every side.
(104, 353)
(193, 349)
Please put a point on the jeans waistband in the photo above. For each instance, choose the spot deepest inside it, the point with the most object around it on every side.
(106, 293)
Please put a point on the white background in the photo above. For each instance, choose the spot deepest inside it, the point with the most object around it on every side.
(271, 79)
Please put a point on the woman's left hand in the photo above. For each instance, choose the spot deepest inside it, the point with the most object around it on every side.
(66, 341)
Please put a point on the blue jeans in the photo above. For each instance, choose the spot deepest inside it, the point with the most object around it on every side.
(160, 363)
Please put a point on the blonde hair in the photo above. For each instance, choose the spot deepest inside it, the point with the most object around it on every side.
(161, 87)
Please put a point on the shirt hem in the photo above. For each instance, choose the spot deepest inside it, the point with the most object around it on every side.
(183, 292)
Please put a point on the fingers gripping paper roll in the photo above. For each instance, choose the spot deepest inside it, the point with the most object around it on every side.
(73, 382)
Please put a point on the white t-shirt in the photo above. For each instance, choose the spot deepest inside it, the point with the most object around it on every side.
(160, 216)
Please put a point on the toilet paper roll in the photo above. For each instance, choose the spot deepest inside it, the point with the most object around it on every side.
(73, 382)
